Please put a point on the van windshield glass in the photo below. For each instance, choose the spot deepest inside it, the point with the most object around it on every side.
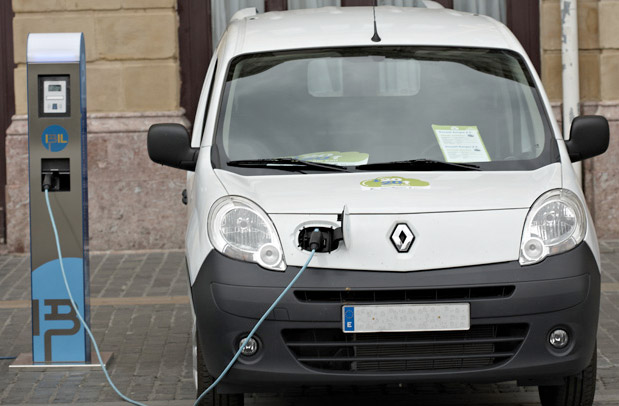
(382, 108)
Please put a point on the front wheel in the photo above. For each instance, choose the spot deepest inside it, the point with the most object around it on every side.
(205, 380)
(576, 390)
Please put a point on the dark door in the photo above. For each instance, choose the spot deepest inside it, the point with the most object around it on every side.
(195, 49)
(7, 99)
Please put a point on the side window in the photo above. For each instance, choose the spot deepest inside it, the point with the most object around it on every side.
(203, 105)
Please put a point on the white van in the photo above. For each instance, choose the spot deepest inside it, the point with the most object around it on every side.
(419, 146)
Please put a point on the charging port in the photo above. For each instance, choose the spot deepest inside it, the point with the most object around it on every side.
(327, 239)
(55, 175)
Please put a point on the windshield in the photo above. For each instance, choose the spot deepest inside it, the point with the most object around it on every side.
(382, 105)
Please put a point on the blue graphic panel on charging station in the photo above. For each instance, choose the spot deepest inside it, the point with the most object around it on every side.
(55, 138)
(57, 332)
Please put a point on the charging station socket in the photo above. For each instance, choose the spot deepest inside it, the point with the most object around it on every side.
(59, 170)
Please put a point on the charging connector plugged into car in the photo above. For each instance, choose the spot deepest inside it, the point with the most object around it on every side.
(320, 239)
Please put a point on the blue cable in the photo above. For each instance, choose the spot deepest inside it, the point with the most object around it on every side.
(263, 318)
(94, 342)
(79, 316)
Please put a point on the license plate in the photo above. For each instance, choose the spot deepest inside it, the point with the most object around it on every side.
(413, 317)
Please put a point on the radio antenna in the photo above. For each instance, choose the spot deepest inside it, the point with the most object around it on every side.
(376, 37)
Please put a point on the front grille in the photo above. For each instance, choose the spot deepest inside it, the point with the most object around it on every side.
(482, 346)
(405, 295)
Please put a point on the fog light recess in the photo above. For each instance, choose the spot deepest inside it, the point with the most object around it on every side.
(251, 348)
(559, 339)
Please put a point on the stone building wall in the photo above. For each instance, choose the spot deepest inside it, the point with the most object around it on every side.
(133, 81)
(598, 33)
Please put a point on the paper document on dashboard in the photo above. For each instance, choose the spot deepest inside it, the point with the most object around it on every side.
(461, 143)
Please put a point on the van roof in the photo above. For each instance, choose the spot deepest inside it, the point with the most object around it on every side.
(354, 26)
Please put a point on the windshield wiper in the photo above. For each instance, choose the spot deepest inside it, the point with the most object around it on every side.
(420, 165)
(286, 164)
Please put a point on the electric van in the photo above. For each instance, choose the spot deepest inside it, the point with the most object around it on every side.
(455, 244)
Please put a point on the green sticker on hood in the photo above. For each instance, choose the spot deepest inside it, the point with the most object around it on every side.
(388, 182)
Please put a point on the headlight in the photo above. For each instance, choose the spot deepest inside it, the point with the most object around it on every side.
(556, 223)
(240, 229)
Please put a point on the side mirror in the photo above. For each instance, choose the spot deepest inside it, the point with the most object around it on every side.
(589, 137)
(170, 145)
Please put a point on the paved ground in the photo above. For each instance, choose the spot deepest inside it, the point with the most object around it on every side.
(140, 312)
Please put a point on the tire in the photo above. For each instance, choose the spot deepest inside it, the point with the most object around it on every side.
(205, 380)
(577, 390)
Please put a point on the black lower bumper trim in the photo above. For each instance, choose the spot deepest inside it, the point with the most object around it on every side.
(562, 291)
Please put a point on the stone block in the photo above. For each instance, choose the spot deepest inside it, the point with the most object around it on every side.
(589, 65)
(587, 25)
(605, 173)
(550, 26)
(93, 4)
(39, 6)
(62, 22)
(609, 29)
(138, 214)
(21, 88)
(121, 156)
(551, 74)
(153, 86)
(17, 160)
(589, 75)
(16, 190)
(25, 6)
(149, 3)
(609, 66)
(17, 218)
(137, 35)
(105, 87)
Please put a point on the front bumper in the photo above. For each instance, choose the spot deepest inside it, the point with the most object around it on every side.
(563, 291)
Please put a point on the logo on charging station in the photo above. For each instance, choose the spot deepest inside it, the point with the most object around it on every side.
(55, 138)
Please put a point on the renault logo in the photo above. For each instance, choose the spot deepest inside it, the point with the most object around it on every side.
(402, 237)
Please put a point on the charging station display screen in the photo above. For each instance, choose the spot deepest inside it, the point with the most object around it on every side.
(54, 96)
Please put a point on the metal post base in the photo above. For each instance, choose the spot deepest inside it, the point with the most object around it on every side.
(24, 363)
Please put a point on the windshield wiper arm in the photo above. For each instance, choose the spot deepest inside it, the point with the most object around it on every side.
(286, 163)
(419, 164)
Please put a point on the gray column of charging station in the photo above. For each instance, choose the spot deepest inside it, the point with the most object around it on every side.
(57, 147)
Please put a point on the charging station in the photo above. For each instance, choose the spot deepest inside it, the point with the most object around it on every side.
(57, 156)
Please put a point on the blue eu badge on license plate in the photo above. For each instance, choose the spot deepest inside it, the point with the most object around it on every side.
(349, 318)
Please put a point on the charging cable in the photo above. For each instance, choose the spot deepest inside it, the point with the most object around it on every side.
(264, 316)
(46, 185)
(314, 246)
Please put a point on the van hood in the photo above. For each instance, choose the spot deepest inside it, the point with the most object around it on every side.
(457, 218)
(393, 192)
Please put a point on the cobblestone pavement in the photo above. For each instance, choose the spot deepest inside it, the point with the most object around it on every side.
(140, 312)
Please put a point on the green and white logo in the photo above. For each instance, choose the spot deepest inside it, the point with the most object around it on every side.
(391, 182)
